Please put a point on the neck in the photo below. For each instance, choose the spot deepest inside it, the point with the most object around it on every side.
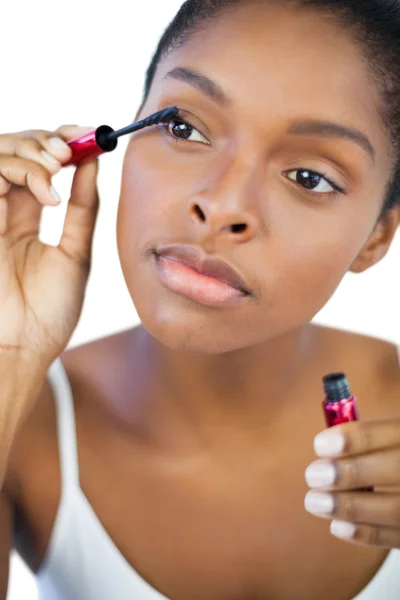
(206, 396)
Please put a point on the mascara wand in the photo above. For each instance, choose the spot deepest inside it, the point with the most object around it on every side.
(105, 138)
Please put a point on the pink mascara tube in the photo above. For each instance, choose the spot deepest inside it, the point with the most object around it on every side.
(105, 139)
(339, 405)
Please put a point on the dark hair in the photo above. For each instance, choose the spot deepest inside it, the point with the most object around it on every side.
(374, 25)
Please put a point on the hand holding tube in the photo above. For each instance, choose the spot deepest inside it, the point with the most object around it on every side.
(42, 287)
(356, 457)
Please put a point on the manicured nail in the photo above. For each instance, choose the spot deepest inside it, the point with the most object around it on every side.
(329, 443)
(320, 474)
(343, 529)
(55, 195)
(319, 503)
(58, 143)
(50, 158)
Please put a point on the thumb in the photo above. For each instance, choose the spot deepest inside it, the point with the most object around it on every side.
(82, 209)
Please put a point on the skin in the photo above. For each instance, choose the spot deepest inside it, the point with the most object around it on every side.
(214, 486)
(307, 242)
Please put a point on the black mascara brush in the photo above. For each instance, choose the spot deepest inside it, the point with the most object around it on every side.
(105, 139)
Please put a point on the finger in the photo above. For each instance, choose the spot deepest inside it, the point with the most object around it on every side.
(23, 214)
(76, 239)
(9, 141)
(5, 186)
(29, 174)
(366, 535)
(32, 150)
(364, 470)
(56, 144)
(28, 145)
(52, 143)
(356, 507)
(358, 437)
(20, 214)
(3, 226)
(69, 132)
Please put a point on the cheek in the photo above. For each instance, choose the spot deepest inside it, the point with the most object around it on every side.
(296, 266)
(141, 205)
(150, 206)
(141, 192)
(306, 272)
(152, 187)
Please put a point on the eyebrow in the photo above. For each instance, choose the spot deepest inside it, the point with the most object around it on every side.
(329, 129)
(301, 127)
(202, 83)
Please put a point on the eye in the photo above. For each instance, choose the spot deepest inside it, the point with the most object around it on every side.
(316, 182)
(179, 130)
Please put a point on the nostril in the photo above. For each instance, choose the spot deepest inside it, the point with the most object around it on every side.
(199, 213)
(238, 228)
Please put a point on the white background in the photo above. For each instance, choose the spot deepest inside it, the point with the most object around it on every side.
(83, 62)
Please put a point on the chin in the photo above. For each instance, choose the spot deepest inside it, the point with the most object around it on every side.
(184, 325)
(191, 329)
(180, 323)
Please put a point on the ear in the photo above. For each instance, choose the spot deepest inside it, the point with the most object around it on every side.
(379, 241)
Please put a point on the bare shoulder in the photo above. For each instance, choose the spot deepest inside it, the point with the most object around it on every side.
(97, 369)
(83, 364)
(32, 482)
(372, 364)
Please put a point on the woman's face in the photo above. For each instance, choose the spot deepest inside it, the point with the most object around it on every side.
(254, 158)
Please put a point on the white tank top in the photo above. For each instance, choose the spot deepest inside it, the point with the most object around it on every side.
(83, 563)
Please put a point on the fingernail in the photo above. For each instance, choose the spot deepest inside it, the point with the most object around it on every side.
(329, 443)
(320, 503)
(58, 143)
(55, 195)
(343, 529)
(320, 474)
(49, 158)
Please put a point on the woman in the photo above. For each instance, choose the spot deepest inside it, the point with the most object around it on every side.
(194, 430)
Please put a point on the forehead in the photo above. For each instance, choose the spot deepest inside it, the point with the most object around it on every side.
(278, 61)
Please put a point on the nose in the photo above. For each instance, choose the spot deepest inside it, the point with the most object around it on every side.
(228, 207)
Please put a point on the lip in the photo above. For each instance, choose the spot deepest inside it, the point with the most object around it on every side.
(212, 267)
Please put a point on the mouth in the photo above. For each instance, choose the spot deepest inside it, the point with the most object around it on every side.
(211, 281)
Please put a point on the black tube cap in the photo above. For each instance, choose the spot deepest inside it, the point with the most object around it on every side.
(102, 140)
(336, 387)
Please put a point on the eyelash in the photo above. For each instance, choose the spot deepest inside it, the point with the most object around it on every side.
(338, 190)
(164, 128)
